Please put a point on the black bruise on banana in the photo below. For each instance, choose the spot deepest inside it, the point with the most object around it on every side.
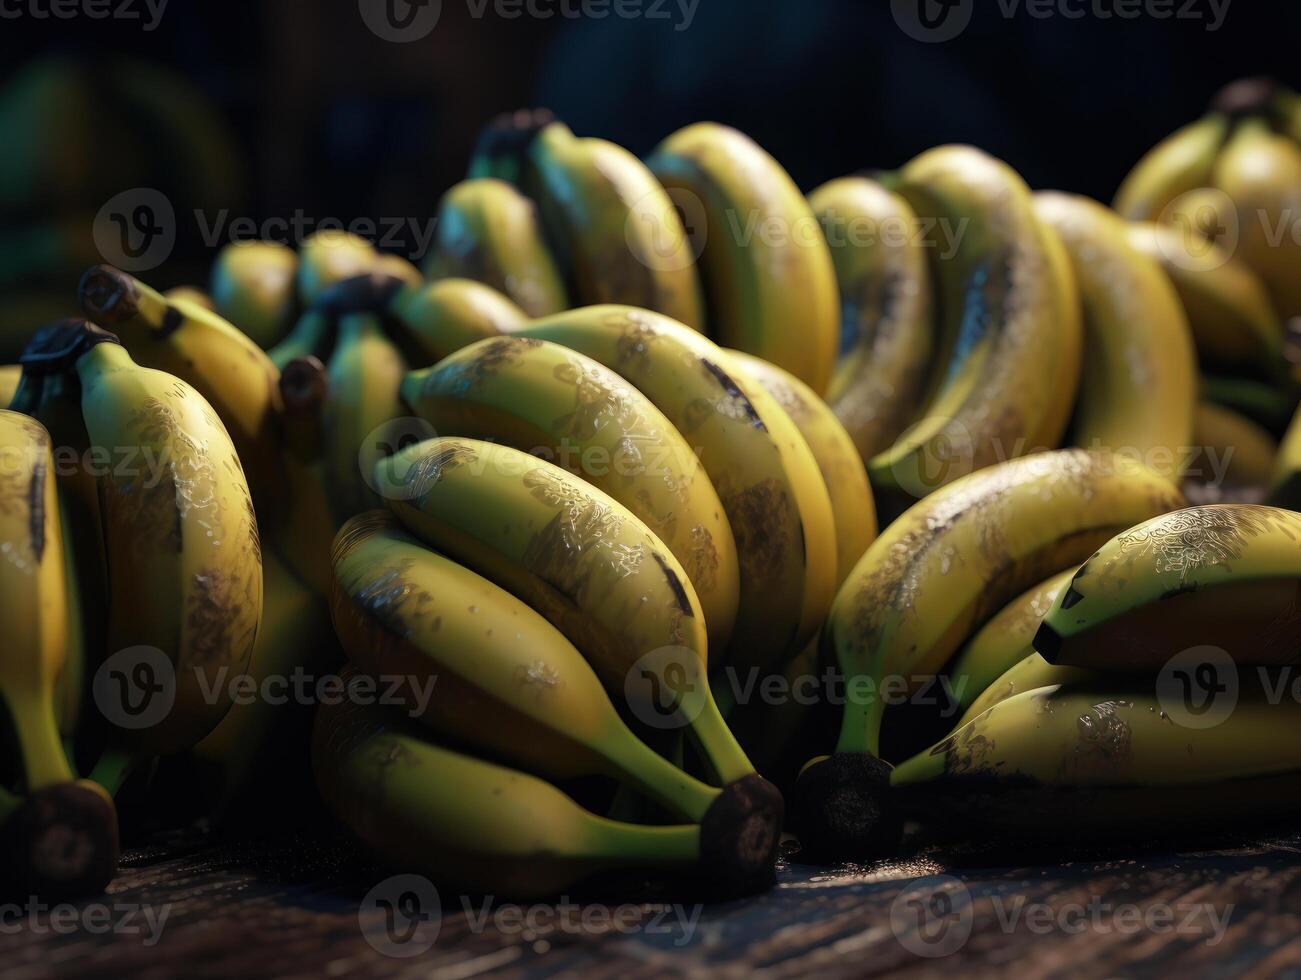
(735, 393)
(675, 583)
(36, 507)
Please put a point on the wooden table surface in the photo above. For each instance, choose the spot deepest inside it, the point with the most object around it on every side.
(290, 907)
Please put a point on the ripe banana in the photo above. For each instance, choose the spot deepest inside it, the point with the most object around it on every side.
(842, 469)
(485, 670)
(192, 295)
(1097, 759)
(364, 376)
(1237, 457)
(1260, 171)
(1004, 300)
(1139, 384)
(443, 316)
(764, 472)
(230, 371)
(9, 375)
(1004, 641)
(1179, 164)
(330, 256)
(766, 269)
(489, 232)
(482, 828)
(58, 836)
(886, 309)
(616, 230)
(933, 576)
(1223, 575)
(1229, 311)
(1030, 673)
(580, 559)
(254, 286)
(543, 398)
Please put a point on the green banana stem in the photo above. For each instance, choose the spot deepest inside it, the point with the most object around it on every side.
(626, 843)
(307, 338)
(660, 779)
(718, 745)
(114, 767)
(860, 727)
(40, 743)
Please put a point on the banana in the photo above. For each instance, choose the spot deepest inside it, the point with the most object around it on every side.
(1267, 404)
(482, 828)
(837, 459)
(1223, 575)
(1104, 759)
(1030, 673)
(501, 150)
(1179, 164)
(192, 295)
(617, 233)
(227, 369)
(1139, 384)
(1260, 171)
(576, 556)
(254, 286)
(767, 272)
(443, 316)
(365, 374)
(180, 536)
(933, 576)
(543, 398)
(1004, 301)
(330, 256)
(9, 375)
(1229, 311)
(886, 310)
(764, 472)
(1237, 457)
(1004, 641)
(489, 232)
(387, 265)
(484, 669)
(57, 835)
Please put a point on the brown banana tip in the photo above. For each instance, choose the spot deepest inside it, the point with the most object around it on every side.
(303, 384)
(370, 292)
(740, 833)
(61, 843)
(107, 294)
(1245, 97)
(55, 347)
(843, 810)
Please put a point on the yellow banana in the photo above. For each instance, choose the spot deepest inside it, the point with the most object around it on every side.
(489, 232)
(543, 398)
(886, 309)
(330, 256)
(1177, 165)
(9, 375)
(580, 559)
(842, 469)
(1030, 673)
(254, 286)
(192, 295)
(766, 269)
(1139, 385)
(765, 474)
(443, 316)
(1222, 575)
(1236, 457)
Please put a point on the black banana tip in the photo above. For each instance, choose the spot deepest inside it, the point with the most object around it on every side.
(1246, 97)
(1047, 643)
(844, 810)
(61, 843)
(303, 385)
(508, 136)
(739, 835)
(108, 294)
(55, 347)
(367, 293)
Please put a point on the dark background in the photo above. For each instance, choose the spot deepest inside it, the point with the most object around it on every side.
(331, 119)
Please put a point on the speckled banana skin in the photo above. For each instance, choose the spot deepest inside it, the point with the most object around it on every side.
(35, 651)
(766, 476)
(1004, 314)
(544, 398)
(1232, 318)
(955, 558)
(470, 824)
(1224, 575)
(852, 505)
(574, 554)
(1030, 673)
(184, 562)
(1139, 385)
(1104, 757)
(765, 264)
(620, 238)
(255, 286)
(1005, 640)
(443, 316)
(886, 309)
(507, 681)
(488, 231)
(1179, 164)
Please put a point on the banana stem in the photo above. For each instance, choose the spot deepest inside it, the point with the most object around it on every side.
(40, 744)
(632, 760)
(624, 844)
(114, 768)
(718, 745)
(860, 727)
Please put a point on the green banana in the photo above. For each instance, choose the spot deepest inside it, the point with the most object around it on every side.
(254, 286)
(1179, 164)
(766, 269)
